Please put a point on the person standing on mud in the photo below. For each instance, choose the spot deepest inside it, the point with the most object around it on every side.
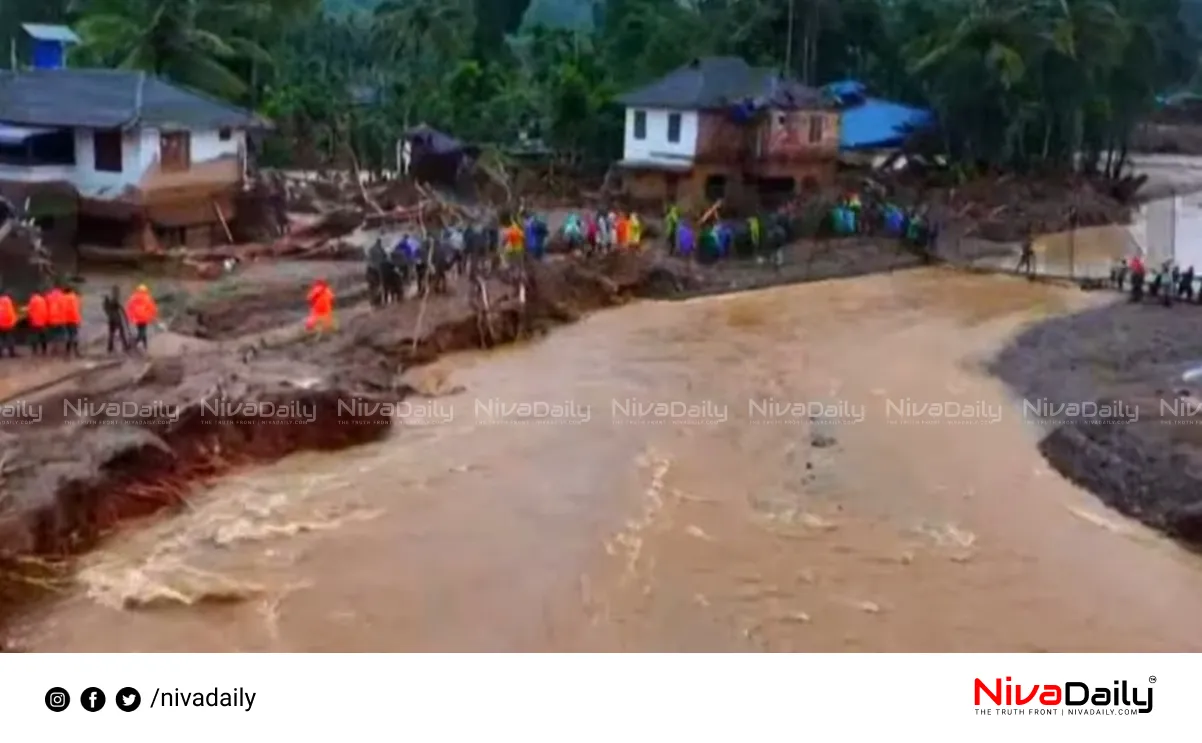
(1118, 274)
(685, 241)
(321, 307)
(755, 232)
(114, 313)
(1026, 261)
(72, 319)
(1185, 285)
(36, 315)
(672, 223)
(1138, 274)
(636, 230)
(142, 312)
(8, 326)
(54, 316)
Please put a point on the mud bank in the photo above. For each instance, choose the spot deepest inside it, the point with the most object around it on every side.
(1140, 451)
(126, 441)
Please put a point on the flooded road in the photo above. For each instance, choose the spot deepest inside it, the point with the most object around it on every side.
(673, 493)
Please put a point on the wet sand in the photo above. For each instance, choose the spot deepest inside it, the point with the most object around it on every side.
(465, 533)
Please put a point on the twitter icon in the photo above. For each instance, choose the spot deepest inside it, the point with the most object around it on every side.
(128, 699)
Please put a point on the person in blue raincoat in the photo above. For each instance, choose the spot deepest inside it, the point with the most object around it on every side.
(536, 237)
(685, 239)
(894, 220)
(400, 251)
(573, 231)
(725, 237)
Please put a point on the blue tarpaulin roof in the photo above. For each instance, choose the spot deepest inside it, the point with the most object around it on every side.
(869, 123)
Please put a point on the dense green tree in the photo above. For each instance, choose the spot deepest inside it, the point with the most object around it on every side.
(1014, 83)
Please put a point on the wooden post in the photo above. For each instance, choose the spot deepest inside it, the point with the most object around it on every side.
(224, 225)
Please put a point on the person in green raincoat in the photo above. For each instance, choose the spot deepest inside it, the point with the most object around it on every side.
(672, 222)
(709, 244)
(755, 231)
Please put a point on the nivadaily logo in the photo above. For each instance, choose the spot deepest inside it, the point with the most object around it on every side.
(1071, 697)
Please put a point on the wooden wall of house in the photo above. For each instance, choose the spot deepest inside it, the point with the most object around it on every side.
(790, 135)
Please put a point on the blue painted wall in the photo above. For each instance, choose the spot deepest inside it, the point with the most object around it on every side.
(49, 55)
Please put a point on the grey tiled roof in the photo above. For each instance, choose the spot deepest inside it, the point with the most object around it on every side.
(715, 82)
(107, 99)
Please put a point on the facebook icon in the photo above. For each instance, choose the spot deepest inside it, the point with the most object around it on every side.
(92, 699)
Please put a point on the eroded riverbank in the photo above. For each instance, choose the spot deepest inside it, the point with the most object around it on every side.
(502, 533)
(125, 439)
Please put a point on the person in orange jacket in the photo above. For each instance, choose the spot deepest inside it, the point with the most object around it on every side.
(8, 326)
(321, 307)
(37, 315)
(622, 231)
(54, 315)
(72, 319)
(142, 311)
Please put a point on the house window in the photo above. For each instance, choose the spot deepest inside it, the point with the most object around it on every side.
(673, 127)
(54, 148)
(225, 134)
(106, 146)
(175, 151)
(816, 123)
(640, 124)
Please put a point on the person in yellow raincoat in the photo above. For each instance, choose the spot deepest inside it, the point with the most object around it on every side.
(515, 242)
(636, 230)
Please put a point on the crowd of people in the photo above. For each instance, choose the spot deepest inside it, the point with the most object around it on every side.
(49, 322)
(1168, 283)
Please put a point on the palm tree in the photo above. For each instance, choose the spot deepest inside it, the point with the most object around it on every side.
(192, 42)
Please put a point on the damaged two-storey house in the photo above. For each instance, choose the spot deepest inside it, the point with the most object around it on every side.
(145, 163)
(718, 128)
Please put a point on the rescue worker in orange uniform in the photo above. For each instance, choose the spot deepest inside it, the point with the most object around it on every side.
(72, 319)
(37, 315)
(321, 307)
(54, 316)
(142, 311)
(8, 326)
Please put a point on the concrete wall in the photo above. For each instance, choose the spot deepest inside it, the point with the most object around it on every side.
(654, 147)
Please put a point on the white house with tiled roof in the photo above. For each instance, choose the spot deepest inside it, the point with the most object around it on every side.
(132, 146)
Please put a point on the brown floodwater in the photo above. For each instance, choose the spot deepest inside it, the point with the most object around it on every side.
(721, 527)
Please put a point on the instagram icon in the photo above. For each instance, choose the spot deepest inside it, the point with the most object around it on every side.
(57, 699)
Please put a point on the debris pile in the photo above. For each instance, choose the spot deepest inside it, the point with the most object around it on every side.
(25, 261)
(1007, 208)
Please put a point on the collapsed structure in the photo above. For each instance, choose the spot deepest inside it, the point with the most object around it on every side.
(718, 128)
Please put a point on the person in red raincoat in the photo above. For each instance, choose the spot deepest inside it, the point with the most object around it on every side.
(37, 314)
(142, 311)
(321, 307)
(8, 326)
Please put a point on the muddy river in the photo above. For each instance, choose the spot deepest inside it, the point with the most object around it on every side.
(673, 493)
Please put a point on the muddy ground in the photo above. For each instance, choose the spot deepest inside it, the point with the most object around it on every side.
(132, 435)
(1142, 452)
